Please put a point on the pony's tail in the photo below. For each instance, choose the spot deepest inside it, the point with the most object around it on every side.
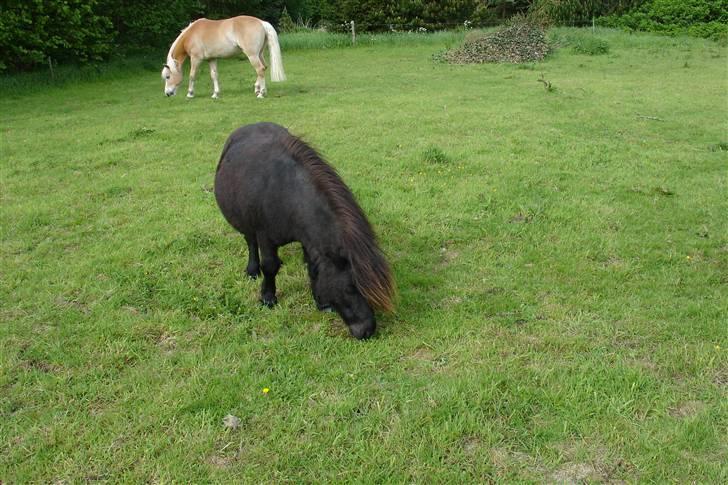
(274, 49)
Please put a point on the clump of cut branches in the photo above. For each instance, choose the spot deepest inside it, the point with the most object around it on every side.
(521, 41)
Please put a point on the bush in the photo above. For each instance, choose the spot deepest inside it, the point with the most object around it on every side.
(702, 18)
(581, 42)
(285, 22)
(578, 12)
(65, 30)
(142, 24)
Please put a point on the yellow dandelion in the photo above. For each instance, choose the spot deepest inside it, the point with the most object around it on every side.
(266, 390)
(717, 347)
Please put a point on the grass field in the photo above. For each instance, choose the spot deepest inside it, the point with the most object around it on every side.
(561, 258)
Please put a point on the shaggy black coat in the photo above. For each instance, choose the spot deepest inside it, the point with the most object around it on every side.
(275, 189)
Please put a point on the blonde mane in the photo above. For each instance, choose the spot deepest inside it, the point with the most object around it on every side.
(173, 50)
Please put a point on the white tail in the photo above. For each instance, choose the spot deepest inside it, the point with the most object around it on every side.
(274, 49)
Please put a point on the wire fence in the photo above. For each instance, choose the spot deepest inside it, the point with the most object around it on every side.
(425, 27)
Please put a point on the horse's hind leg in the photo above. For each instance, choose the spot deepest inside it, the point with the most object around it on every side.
(270, 265)
(253, 268)
(259, 67)
(213, 75)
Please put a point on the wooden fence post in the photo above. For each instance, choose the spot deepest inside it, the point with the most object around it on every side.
(353, 33)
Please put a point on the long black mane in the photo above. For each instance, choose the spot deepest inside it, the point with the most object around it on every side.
(371, 273)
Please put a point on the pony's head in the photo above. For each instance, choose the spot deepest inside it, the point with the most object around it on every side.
(334, 286)
(172, 77)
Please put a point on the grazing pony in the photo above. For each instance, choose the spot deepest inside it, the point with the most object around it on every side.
(275, 189)
(212, 39)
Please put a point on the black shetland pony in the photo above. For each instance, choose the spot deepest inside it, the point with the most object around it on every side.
(275, 189)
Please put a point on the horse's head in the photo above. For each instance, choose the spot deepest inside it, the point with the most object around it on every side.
(172, 77)
(333, 286)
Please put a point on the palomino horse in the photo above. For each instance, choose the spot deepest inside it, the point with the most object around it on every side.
(275, 189)
(210, 40)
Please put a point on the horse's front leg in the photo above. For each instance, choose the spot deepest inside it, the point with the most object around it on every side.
(213, 75)
(270, 264)
(194, 64)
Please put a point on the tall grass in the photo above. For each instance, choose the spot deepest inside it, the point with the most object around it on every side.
(315, 39)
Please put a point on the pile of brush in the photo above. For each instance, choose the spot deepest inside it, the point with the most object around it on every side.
(521, 41)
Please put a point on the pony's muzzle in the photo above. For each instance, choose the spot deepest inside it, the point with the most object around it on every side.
(363, 330)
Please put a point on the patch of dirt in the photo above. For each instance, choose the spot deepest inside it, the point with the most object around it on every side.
(687, 409)
(645, 364)
(40, 365)
(425, 360)
(64, 302)
(220, 461)
(505, 460)
(451, 301)
(721, 377)
(471, 444)
(587, 461)
(422, 354)
(575, 473)
(132, 310)
(521, 218)
(167, 342)
(448, 255)
(614, 262)
(231, 422)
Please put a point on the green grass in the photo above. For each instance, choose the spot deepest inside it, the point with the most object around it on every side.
(561, 258)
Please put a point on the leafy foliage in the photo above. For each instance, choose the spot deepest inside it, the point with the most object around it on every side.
(140, 25)
(581, 42)
(66, 30)
(575, 12)
(700, 18)
(285, 23)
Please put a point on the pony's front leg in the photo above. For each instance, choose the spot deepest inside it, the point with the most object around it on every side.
(313, 276)
(213, 75)
(253, 268)
(194, 64)
(270, 265)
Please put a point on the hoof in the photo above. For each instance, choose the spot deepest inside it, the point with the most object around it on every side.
(270, 302)
(259, 96)
(324, 308)
(215, 95)
(190, 95)
(253, 275)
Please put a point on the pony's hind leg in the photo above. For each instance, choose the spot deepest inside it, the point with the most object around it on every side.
(270, 265)
(194, 64)
(253, 268)
(213, 75)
